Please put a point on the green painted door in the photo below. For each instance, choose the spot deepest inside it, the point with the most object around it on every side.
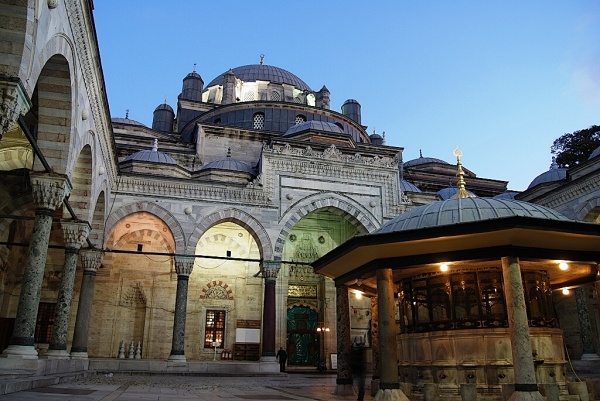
(302, 339)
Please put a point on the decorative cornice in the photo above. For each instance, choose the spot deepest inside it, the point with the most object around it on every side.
(191, 191)
(332, 154)
(84, 37)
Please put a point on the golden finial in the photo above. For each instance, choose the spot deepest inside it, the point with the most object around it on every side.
(462, 191)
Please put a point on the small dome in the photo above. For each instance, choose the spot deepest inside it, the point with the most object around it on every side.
(152, 155)
(406, 186)
(126, 120)
(449, 192)
(510, 195)
(314, 126)
(463, 210)
(193, 74)
(423, 160)
(595, 153)
(554, 174)
(230, 164)
(164, 106)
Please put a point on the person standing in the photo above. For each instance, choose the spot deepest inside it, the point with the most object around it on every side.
(357, 363)
(282, 358)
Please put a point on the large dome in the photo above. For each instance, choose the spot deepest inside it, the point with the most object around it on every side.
(463, 210)
(263, 72)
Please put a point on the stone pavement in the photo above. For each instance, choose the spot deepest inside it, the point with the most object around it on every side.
(122, 387)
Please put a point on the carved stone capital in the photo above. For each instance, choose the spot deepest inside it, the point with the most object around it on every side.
(75, 233)
(91, 259)
(270, 269)
(49, 190)
(13, 103)
(184, 265)
(52, 4)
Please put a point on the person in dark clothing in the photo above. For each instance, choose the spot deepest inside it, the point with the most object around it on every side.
(357, 364)
(282, 358)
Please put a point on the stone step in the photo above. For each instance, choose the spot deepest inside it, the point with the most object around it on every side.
(10, 385)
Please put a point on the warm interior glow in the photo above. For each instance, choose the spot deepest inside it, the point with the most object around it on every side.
(565, 291)
(563, 266)
(444, 267)
(358, 295)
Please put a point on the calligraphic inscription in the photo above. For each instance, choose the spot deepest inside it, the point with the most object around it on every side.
(302, 291)
(248, 324)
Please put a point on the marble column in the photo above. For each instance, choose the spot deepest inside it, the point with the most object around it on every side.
(183, 266)
(589, 350)
(90, 260)
(344, 343)
(270, 269)
(74, 234)
(526, 387)
(48, 190)
(375, 345)
(389, 384)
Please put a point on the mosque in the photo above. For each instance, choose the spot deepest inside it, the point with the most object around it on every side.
(252, 216)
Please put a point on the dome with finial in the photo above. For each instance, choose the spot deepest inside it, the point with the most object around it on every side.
(230, 164)
(422, 160)
(263, 72)
(152, 156)
(126, 120)
(554, 174)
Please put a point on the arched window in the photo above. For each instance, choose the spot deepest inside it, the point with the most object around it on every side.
(258, 121)
(275, 96)
(300, 119)
(248, 96)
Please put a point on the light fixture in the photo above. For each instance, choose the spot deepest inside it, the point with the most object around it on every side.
(444, 267)
(358, 295)
(565, 291)
(563, 266)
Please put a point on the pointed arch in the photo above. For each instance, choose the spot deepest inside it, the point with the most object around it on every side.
(338, 204)
(158, 211)
(583, 214)
(256, 230)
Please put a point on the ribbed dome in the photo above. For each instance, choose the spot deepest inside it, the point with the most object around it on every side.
(449, 192)
(230, 164)
(152, 155)
(314, 126)
(263, 72)
(554, 174)
(406, 186)
(423, 160)
(463, 210)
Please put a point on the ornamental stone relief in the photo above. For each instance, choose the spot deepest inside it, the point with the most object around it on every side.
(216, 290)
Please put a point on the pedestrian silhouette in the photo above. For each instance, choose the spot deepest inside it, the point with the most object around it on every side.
(357, 364)
(282, 358)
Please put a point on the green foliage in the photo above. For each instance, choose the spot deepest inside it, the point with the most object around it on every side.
(576, 147)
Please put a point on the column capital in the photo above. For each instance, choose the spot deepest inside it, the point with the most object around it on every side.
(270, 269)
(49, 189)
(75, 232)
(184, 265)
(13, 103)
(91, 259)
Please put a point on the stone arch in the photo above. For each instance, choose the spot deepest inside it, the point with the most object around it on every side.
(97, 221)
(583, 213)
(216, 289)
(81, 180)
(256, 230)
(140, 235)
(337, 204)
(158, 211)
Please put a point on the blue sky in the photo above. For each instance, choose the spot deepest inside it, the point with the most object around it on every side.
(501, 80)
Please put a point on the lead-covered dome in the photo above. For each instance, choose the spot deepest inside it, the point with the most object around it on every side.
(263, 72)
(407, 186)
(463, 210)
(152, 155)
(312, 125)
(230, 164)
(423, 160)
(554, 174)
